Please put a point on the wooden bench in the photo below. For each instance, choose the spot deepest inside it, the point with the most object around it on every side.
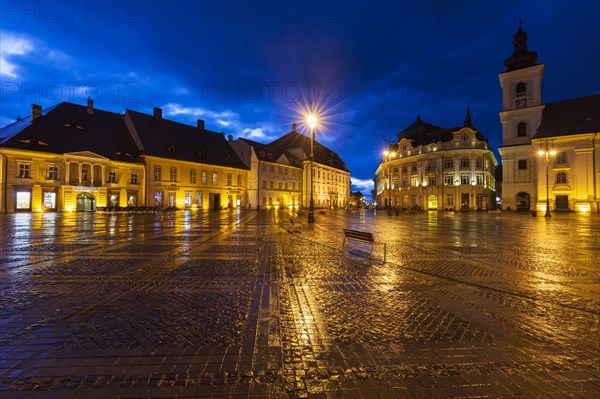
(362, 236)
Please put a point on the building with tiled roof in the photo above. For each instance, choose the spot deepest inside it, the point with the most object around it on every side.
(69, 157)
(281, 170)
(436, 168)
(187, 166)
(567, 131)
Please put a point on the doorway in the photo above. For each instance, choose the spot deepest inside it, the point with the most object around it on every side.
(86, 203)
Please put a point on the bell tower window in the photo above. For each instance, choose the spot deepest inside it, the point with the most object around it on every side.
(521, 129)
(521, 89)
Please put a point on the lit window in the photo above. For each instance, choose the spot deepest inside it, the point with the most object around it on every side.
(204, 177)
(215, 178)
(449, 179)
(158, 198)
(464, 179)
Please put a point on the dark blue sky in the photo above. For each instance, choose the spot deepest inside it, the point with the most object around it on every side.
(249, 68)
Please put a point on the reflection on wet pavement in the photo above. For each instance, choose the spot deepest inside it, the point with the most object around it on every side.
(243, 304)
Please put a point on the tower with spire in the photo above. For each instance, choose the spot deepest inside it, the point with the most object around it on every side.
(520, 116)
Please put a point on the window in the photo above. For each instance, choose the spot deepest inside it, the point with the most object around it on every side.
(478, 163)
(464, 163)
(432, 165)
(264, 184)
(450, 200)
(522, 164)
(134, 178)
(25, 170)
(404, 169)
(414, 167)
(264, 167)
(280, 186)
(522, 129)
(85, 173)
(188, 199)
(215, 178)
(404, 147)
(52, 172)
(293, 185)
(464, 179)
(204, 177)
(479, 180)
(432, 181)
(264, 200)
(521, 89)
(49, 199)
(449, 180)
(280, 170)
(272, 185)
(465, 136)
(192, 176)
(239, 180)
(199, 200)
(285, 172)
(23, 200)
(157, 173)
(413, 181)
(286, 186)
(561, 158)
(561, 178)
(229, 179)
(158, 198)
(173, 174)
(448, 163)
(271, 168)
(112, 176)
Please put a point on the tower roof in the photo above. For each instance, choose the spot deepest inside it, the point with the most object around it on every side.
(521, 56)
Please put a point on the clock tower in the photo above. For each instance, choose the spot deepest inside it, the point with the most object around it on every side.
(520, 116)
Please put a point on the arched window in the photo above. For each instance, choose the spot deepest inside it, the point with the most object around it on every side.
(465, 136)
(404, 147)
(521, 89)
(561, 178)
(521, 129)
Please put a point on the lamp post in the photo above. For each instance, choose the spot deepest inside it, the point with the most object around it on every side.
(547, 151)
(311, 120)
(389, 155)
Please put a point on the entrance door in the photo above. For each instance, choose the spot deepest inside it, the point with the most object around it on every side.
(562, 202)
(86, 203)
(216, 201)
(230, 201)
(432, 202)
(464, 201)
(523, 201)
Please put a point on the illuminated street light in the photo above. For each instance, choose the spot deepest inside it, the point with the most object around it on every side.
(311, 121)
(547, 151)
(389, 155)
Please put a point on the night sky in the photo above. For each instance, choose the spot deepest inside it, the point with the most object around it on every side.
(250, 68)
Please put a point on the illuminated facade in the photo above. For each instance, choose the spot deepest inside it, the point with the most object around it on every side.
(187, 166)
(274, 180)
(432, 168)
(569, 129)
(69, 158)
(281, 172)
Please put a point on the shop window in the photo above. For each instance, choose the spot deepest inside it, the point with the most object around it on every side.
(132, 200)
(188, 199)
(49, 199)
(199, 200)
(113, 200)
(158, 198)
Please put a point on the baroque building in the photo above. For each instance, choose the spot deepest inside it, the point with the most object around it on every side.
(69, 158)
(187, 166)
(281, 170)
(566, 131)
(434, 168)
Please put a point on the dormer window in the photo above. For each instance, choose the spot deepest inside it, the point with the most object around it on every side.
(72, 125)
(404, 146)
(465, 136)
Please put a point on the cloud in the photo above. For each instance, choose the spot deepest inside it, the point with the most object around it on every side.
(365, 186)
(11, 45)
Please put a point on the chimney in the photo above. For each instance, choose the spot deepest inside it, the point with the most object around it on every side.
(230, 138)
(36, 111)
(200, 124)
(90, 106)
(294, 127)
(158, 113)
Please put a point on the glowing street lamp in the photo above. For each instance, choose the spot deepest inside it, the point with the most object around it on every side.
(311, 121)
(389, 155)
(547, 151)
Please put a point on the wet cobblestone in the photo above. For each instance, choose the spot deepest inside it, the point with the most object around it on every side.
(244, 305)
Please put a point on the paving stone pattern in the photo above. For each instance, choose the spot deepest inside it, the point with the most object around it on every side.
(244, 304)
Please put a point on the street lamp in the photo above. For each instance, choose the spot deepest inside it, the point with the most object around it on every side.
(311, 121)
(389, 155)
(547, 151)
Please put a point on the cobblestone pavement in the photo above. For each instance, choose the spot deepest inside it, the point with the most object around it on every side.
(246, 304)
